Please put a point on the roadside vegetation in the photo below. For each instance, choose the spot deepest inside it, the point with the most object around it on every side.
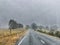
(45, 29)
(7, 38)
(52, 33)
(11, 35)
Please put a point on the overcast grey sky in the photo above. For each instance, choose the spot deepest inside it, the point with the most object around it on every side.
(46, 12)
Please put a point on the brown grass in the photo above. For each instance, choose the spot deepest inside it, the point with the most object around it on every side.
(10, 39)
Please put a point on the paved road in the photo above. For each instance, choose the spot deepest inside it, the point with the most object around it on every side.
(34, 38)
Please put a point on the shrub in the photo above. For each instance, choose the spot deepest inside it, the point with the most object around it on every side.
(57, 34)
(51, 33)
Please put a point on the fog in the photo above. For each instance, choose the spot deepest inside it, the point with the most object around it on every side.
(45, 12)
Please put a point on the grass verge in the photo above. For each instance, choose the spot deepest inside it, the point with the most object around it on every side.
(10, 39)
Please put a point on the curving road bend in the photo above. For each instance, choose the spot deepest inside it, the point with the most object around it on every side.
(34, 38)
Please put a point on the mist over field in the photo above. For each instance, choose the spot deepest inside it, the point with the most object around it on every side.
(46, 12)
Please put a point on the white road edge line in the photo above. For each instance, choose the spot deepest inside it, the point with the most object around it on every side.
(42, 41)
(22, 40)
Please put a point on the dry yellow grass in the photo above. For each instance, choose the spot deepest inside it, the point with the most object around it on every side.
(10, 39)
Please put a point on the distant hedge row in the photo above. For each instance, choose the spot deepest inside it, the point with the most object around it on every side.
(56, 33)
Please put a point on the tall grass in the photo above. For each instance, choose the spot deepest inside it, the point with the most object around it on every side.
(10, 39)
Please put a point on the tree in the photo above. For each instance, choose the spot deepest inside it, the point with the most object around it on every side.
(47, 27)
(27, 26)
(34, 26)
(55, 27)
(41, 27)
(12, 25)
(19, 25)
